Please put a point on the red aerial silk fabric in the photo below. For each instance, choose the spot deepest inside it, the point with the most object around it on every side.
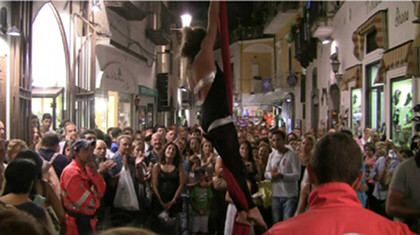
(235, 190)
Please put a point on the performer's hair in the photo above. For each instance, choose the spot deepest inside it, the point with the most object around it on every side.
(191, 42)
(336, 158)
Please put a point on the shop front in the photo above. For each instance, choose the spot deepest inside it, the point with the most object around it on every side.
(144, 103)
(119, 101)
(114, 99)
(401, 102)
(352, 77)
(397, 69)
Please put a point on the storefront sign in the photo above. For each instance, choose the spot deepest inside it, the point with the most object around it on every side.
(400, 17)
(371, 5)
(145, 91)
(116, 78)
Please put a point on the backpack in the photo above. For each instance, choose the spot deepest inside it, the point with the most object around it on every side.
(50, 175)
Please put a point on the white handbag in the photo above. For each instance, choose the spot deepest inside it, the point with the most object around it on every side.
(125, 197)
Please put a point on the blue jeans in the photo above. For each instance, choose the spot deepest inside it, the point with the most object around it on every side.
(283, 208)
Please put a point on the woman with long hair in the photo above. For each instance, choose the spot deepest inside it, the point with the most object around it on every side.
(208, 158)
(264, 151)
(207, 82)
(193, 147)
(167, 181)
(305, 151)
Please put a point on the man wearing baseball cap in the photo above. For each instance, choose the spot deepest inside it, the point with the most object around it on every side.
(82, 187)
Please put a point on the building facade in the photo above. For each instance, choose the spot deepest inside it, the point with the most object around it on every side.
(92, 62)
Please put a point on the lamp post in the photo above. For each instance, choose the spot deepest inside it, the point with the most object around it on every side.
(182, 90)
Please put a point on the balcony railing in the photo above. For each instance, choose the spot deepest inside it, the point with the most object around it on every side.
(273, 8)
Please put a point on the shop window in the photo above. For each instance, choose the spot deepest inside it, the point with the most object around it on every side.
(375, 100)
(401, 103)
(101, 112)
(356, 110)
(114, 109)
(124, 110)
(371, 44)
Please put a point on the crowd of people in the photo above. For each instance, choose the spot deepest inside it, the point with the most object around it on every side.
(171, 179)
(210, 179)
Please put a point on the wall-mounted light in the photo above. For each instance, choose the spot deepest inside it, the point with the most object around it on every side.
(335, 66)
(326, 40)
(13, 31)
(4, 27)
(288, 98)
(183, 88)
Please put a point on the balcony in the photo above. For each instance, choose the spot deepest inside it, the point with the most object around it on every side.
(278, 14)
(247, 33)
(129, 10)
(321, 14)
(158, 27)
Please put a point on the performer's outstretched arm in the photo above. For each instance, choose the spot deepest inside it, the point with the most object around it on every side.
(209, 83)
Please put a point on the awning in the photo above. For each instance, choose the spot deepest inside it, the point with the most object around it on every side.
(395, 58)
(377, 21)
(350, 74)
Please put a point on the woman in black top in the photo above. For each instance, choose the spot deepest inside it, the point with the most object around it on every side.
(167, 181)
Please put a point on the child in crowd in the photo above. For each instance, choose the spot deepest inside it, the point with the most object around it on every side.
(201, 199)
(195, 164)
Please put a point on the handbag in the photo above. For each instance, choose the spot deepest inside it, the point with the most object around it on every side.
(265, 188)
(126, 197)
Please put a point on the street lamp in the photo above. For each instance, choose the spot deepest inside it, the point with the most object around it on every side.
(186, 19)
(335, 66)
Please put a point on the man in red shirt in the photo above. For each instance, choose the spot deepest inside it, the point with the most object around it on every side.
(334, 208)
(82, 187)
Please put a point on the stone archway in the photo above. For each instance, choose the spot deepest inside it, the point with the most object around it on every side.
(50, 62)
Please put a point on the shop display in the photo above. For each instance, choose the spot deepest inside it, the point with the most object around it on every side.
(356, 110)
(401, 111)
